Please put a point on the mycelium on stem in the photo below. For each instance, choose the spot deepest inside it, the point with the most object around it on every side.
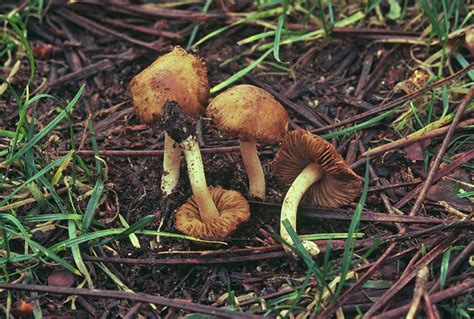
(177, 76)
(210, 213)
(308, 166)
(254, 116)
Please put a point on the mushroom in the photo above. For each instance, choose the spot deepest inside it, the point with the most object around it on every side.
(211, 212)
(253, 115)
(308, 164)
(232, 207)
(177, 76)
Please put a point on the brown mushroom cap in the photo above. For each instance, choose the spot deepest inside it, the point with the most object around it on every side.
(233, 210)
(338, 186)
(176, 76)
(249, 113)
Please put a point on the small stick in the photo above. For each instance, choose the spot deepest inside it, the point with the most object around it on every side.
(378, 182)
(302, 110)
(84, 72)
(140, 297)
(430, 309)
(364, 74)
(101, 30)
(408, 141)
(441, 152)
(188, 261)
(374, 77)
(133, 311)
(144, 29)
(313, 211)
(404, 280)
(391, 104)
(147, 153)
(390, 186)
(338, 303)
(457, 290)
(468, 251)
(462, 159)
(90, 308)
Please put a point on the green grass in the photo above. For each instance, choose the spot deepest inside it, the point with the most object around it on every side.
(327, 271)
(40, 192)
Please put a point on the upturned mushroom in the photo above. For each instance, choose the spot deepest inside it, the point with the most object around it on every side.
(252, 115)
(209, 213)
(307, 165)
(176, 76)
(232, 207)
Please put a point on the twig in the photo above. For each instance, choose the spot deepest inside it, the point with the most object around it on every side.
(302, 110)
(84, 72)
(391, 104)
(101, 30)
(364, 74)
(140, 297)
(464, 158)
(146, 153)
(337, 57)
(468, 251)
(249, 250)
(441, 152)
(408, 141)
(132, 313)
(430, 309)
(457, 290)
(378, 182)
(311, 211)
(390, 186)
(188, 261)
(144, 29)
(339, 302)
(404, 280)
(375, 76)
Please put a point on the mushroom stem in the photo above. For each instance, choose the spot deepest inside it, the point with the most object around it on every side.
(310, 175)
(254, 169)
(171, 163)
(207, 208)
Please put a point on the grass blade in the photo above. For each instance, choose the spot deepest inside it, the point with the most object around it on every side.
(349, 247)
(47, 128)
(92, 205)
(241, 73)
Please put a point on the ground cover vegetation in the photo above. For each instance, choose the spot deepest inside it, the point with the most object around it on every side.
(86, 230)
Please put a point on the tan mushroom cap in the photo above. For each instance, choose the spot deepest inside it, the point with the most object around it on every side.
(233, 210)
(338, 186)
(176, 76)
(249, 113)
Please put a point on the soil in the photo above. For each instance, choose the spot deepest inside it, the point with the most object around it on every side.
(323, 77)
(176, 123)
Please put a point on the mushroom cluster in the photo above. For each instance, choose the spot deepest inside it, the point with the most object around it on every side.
(174, 91)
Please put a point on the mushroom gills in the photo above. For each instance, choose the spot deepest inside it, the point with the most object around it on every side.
(254, 169)
(171, 164)
(308, 176)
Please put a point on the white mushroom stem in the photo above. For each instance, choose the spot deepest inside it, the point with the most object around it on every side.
(171, 163)
(310, 175)
(254, 169)
(192, 153)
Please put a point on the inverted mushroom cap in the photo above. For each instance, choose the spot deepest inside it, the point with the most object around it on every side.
(176, 76)
(249, 113)
(338, 186)
(233, 210)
